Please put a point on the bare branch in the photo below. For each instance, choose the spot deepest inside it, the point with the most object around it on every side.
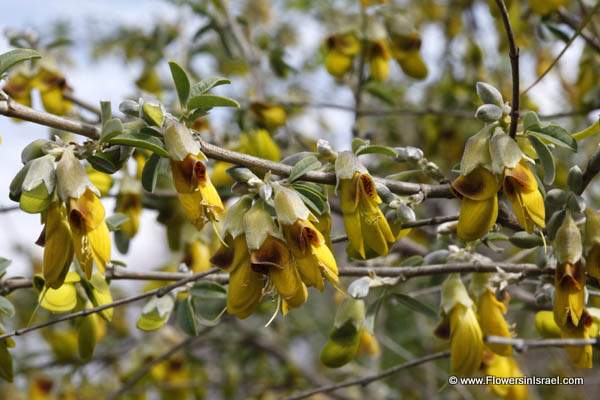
(513, 53)
(572, 22)
(82, 103)
(525, 344)
(371, 378)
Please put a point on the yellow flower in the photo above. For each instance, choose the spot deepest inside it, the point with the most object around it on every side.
(52, 86)
(197, 256)
(199, 198)
(569, 297)
(491, 312)
(313, 258)
(274, 258)
(368, 231)
(478, 205)
(18, 88)
(369, 344)
(245, 284)
(580, 356)
(459, 324)
(149, 81)
(521, 188)
(379, 54)
(270, 116)
(130, 204)
(40, 388)
(341, 49)
(91, 238)
(99, 179)
(546, 326)
(505, 367)
(62, 299)
(58, 246)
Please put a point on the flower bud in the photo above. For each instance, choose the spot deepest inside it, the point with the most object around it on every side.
(179, 142)
(489, 94)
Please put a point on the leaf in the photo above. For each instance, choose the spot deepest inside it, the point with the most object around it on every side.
(13, 57)
(546, 159)
(311, 196)
(382, 93)
(102, 163)
(6, 363)
(182, 83)
(115, 221)
(415, 305)
(141, 140)
(110, 129)
(150, 173)
(555, 134)
(155, 313)
(6, 307)
(186, 317)
(303, 166)
(206, 290)
(376, 149)
(531, 121)
(105, 111)
(4, 263)
(205, 85)
(208, 101)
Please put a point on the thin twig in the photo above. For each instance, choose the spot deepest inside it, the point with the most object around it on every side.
(524, 344)
(157, 292)
(569, 20)
(82, 103)
(371, 378)
(591, 170)
(8, 209)
(587, 19)
(140, 373)
(513, 53)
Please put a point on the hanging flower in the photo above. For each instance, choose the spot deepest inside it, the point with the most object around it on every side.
(580, 356)
(521, 188)
(478, 205)
(53, 86)
(569, 279)
(378, 56)
(459, 324)
(504, 367)
(199, 198)
(89, 232)
(268, 115)
(369, 233)
(490, 313)
(312, 257)
(58, 246)
(340, 51)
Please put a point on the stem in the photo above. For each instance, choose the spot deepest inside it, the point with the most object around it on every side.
(513, 53)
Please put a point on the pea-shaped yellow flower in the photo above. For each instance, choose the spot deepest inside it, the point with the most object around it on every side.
(58, 246)
(199, 198)
(91, 238)
(478, 192)
(580, 356)
(505, 367)
(369, 232)
(490, 312)
(340, 51)
(268, 115)
(245, 284)
(379, 55)
(521, 188)
(459, 324)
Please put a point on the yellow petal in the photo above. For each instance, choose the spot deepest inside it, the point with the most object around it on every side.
(466, 349)
(59, 300)
(491, 320)
(58, 247)
(349, 194)
(480, 184)
(476, 218)
(100, 243)
(244, 291)
(353, 229)
(569, 296)
(534, 207)
(337, 63)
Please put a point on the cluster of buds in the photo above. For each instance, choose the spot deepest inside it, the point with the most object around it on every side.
(492, 161)
(47, 80)
(570, 314)
(273, 246)
(71, 210)
(369, 233)
(197, 195)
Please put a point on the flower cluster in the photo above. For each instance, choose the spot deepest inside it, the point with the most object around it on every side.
(72, 213)
(493, 161)
(276, 246)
